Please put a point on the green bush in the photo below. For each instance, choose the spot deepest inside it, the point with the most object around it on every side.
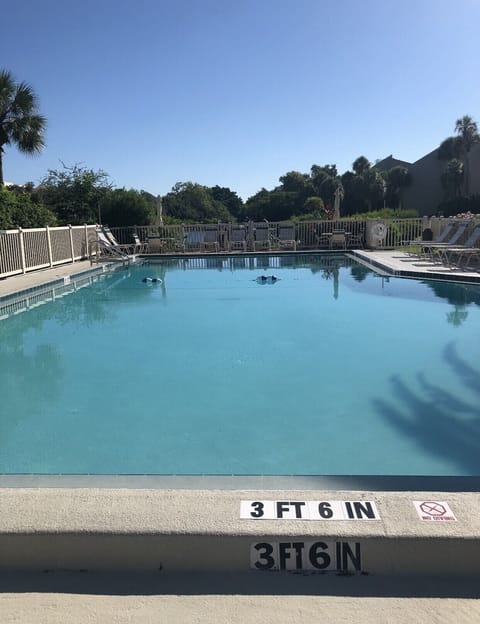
(386, 213)
(17, 209)
(460, 205)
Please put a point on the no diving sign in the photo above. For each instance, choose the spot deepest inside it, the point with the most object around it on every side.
(434, 511)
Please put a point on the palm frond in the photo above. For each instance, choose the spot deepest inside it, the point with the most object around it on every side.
(7, 92)
(20, 122)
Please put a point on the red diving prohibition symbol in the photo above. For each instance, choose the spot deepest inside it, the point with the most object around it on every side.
(433, 508)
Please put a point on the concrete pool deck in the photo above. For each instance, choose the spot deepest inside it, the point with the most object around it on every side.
(400, 264)
(117, 554)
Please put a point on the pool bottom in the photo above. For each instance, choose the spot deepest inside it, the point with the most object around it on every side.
(374, 483)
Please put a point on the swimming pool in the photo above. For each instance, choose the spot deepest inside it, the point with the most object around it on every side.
(329, 370)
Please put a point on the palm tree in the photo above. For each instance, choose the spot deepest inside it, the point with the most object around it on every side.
(360, 165)
(397, 179)
(467, 129)
(452, 178)
(20, 123)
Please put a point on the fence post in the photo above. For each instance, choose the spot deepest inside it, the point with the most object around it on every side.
(250, 235)
(49, 245)
(22, 250)
(87, 251)
(71, 243)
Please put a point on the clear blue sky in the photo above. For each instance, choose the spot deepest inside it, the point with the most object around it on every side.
(238, 92)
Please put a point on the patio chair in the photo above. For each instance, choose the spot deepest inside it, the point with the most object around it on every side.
(286, 237)
(262, 237)
(356, 240)
(338, 239)
(238, 238)
(138, 245)
(193, 240)
(453, 256)
(210, 239)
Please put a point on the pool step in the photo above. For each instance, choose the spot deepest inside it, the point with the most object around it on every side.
(201, 553)
(202, 531)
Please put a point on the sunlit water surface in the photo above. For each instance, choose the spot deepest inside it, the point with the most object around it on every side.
(331, 369)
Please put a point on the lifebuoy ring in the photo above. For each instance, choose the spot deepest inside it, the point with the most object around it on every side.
(379, 230)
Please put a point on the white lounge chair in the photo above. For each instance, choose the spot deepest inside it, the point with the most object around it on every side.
(128, 248)
(432, 249)
(103, 246)
(454, 257)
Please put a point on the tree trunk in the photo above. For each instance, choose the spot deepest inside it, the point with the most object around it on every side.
(1, 166)
(466, 169)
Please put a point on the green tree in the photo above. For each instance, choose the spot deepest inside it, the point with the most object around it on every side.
(397, 179)
(20, 122)
(74, 193)
(314, 208)
(325, 181)
(360, 165)
(257, 206)
(467, 129)
(350, 204)
(452, 178)
(451, 147)
(296, 182)
(192, 202)
(330, 170)
(232, 202)
(18, 209)
(122, 208)
(367, 189)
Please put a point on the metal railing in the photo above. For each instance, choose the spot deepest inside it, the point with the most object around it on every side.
(267, 236)
(22, 251)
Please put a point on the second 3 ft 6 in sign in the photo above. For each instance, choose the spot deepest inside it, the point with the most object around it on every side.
(296, 554)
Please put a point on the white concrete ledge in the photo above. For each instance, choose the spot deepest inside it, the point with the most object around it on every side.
(192, 530)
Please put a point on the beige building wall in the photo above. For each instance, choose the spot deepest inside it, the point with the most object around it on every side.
(475, 170)
(426, 191)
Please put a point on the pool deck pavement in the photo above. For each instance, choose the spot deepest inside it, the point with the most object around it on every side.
(41, 526)
(402, 264)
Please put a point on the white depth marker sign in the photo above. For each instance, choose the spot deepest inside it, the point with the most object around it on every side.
(308, 510)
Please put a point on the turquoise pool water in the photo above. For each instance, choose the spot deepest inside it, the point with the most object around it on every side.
(329, 370)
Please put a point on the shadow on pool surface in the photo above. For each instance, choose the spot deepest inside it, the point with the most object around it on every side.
(431, 418)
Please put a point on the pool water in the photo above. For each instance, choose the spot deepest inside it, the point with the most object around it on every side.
(328, 370)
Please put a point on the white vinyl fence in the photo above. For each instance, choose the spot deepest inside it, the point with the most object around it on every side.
(22, 251)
